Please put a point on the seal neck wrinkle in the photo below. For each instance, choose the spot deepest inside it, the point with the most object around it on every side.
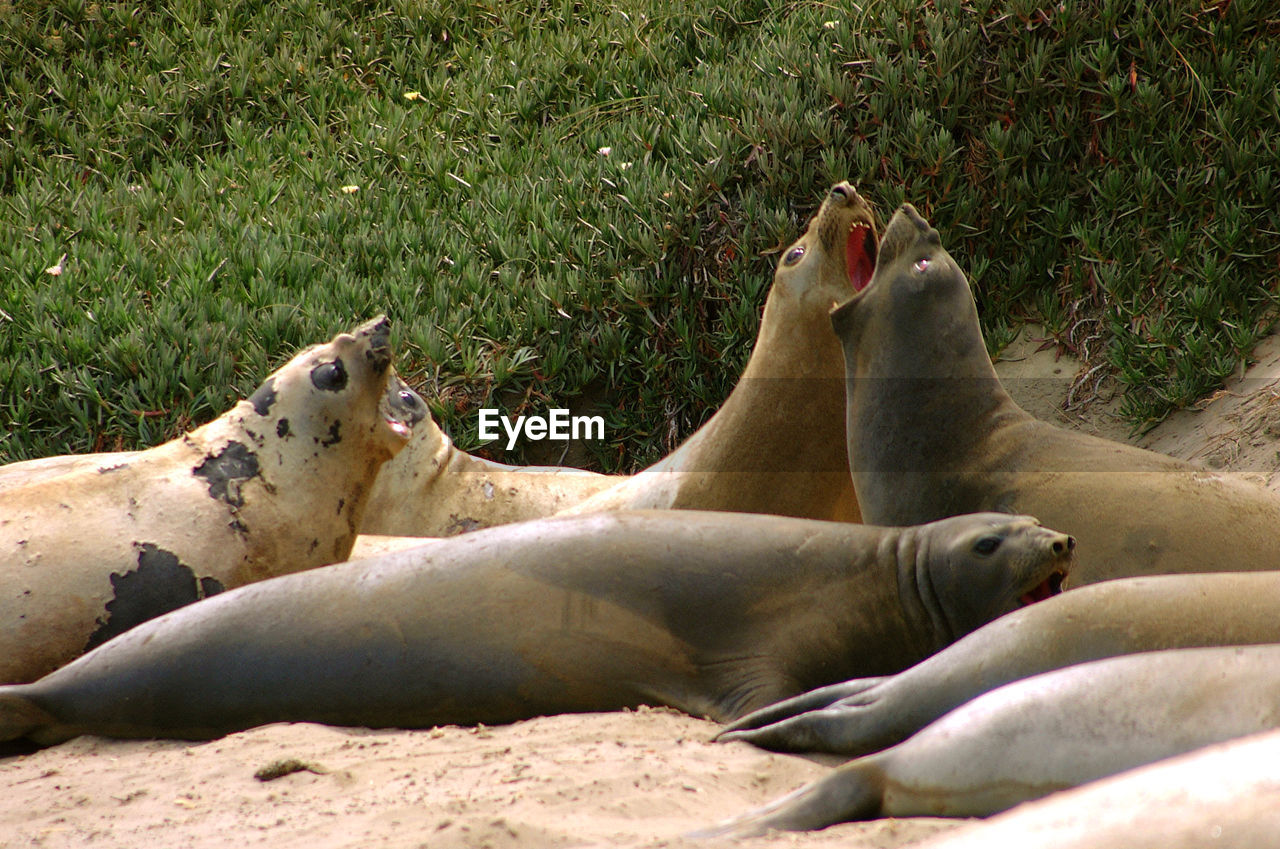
(928, 624)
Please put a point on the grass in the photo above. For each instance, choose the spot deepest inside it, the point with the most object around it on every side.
(558, 199)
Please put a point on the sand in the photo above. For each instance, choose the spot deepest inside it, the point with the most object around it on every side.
(633, 779)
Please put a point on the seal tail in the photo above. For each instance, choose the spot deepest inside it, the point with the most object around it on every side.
(20, 718)
(855, 791)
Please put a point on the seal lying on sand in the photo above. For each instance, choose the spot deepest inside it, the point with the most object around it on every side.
(1226, 796)
(711, 613)
(777, 445)
(932, 433)
(1102, 620)
(1046, 733)
(275, 485)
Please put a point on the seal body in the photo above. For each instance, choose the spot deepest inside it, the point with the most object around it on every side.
(711, 613)
(932, 433)
(276, 484)
(1049, 732)
(1226, 796)
(432, 489)
(1091, 623)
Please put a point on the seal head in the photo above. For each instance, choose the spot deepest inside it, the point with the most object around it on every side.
(348, 372)
(982, 571)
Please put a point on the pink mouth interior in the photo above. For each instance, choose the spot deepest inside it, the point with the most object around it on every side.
(860, 256)
(1047, 588)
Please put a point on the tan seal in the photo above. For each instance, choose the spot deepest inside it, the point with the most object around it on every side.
(777, 445)
(277, 484)
(932, 433)
(434, 489)
(712, 613)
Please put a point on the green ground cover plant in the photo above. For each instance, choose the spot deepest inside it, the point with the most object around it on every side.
(561, 199)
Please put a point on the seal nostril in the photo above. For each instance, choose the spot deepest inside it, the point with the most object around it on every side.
(840, 192)
(1071, 543)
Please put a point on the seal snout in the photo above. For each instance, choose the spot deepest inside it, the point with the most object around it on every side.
(377, 334)
(846, 215)
(402, 407)
(1060, 548)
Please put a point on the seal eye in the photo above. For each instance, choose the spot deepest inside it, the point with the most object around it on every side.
(793, 255)
(987, 545)
(921, 264)
(329, 377)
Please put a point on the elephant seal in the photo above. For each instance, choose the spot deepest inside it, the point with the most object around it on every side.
(712, 613)
(1226, 796)
(932, 433)
(777, 444)
(433, 489)
(1091, 623)
(275, 485)
(23, 472)
(436, 490)
(1046, 733)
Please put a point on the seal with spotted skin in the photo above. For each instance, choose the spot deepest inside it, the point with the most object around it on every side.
(777, 445)
(932, 433)
(275, 485)
(1226, 796)
(1050, 732)
(712, 613)
(1091, 623)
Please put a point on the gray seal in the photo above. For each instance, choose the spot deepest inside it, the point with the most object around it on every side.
(1098, 621)
(277, 484)
(712, 613)
(932, 433)
(1050, 732)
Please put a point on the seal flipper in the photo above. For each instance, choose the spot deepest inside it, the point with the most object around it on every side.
(22, 719)
(855, 791)
(823, 697)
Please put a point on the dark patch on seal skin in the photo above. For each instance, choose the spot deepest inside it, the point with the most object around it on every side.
(379, 353)
(335, 435)
(264, 396)
(160, 584)
(342, 502)
(226, 470)
(282, 428)
(330, 377)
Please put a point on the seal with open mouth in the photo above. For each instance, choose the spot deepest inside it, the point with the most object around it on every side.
(275, 485)
(777, 445)
(1101, 620)
(712, 613)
